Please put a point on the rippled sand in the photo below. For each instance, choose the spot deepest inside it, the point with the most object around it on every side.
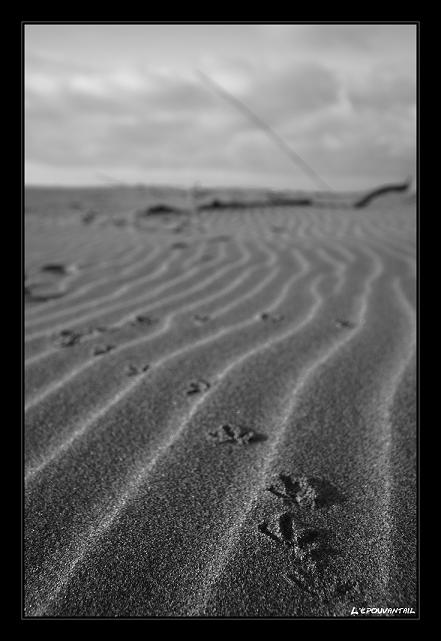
(220, 412)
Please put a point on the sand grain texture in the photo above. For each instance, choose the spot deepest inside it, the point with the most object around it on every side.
(220, 411)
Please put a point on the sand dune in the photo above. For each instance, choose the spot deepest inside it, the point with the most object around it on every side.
(220, 413)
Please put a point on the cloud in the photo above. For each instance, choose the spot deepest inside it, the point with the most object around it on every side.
(362, 37)
(385, 88)
(300, 89)
(344, 97)
(98, 118)
(359, 39)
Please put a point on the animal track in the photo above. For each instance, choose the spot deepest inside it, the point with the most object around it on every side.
(310, 548)
(235, 434)
(133, 370)
(201, 318)
(89, 216)
(143, 319)
(311, 545)
(68, 338)
(99, 350)
(325, 586)
(344, 324)
(307, 492)
(102, 329)
(274, 318)
(198, 387)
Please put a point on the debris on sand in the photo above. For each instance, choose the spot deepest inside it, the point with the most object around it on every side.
(161, 208)
(380, 191)
(57, 268)
(291, 202)
(217, 204)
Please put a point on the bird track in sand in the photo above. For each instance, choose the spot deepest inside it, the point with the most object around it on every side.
(236, 434)
(311, 549)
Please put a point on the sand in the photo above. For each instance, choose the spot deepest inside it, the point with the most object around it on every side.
(220, 408)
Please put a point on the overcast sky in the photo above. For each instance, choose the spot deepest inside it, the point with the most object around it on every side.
(125, 101)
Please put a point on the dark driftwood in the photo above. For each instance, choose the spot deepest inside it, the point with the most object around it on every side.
(162, 209)
(238, 204)
(384, 189)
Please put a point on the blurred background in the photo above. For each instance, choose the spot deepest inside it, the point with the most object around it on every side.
(124, 103)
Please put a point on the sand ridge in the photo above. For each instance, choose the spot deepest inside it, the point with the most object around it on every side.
(296, 324)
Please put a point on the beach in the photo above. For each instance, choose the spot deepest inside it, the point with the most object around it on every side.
(220, 405)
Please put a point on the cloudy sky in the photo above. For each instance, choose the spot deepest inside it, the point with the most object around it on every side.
(126, 102)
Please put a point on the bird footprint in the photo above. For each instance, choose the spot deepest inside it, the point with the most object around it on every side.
(310, 548)
(235, 434)
(198, 387)
(307, 492)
